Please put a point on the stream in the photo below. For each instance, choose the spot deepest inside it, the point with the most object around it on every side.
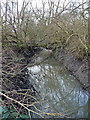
(60, 91)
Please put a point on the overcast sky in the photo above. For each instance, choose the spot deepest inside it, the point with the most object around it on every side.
(39, 2)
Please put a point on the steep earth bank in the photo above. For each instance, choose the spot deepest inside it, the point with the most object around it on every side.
(79, 68)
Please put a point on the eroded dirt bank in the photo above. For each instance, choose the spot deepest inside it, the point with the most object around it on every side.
(16, 60)
(79, 68)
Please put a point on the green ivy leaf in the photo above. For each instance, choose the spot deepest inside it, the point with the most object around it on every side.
(24, 116)
(3, 109)
(12, 109)
(13, 115)
(5, 116)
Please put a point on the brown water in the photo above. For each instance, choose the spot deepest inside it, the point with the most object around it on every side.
(61, 92)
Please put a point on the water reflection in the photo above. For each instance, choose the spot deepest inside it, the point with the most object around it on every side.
(62, 92)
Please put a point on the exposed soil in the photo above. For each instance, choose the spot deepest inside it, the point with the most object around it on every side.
(79, 68)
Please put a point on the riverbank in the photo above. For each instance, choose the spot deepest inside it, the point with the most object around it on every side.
(16, 61)
(79, 68)
(14, 67)
(17, 86)
(17, 90)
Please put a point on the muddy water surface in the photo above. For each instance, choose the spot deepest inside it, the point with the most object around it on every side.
(60, 90)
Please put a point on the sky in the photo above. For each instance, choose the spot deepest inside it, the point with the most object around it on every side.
(39, 2)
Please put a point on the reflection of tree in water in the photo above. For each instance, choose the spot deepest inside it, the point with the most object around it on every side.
(60, 89)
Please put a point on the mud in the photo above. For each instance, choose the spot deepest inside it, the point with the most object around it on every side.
(79, 68)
